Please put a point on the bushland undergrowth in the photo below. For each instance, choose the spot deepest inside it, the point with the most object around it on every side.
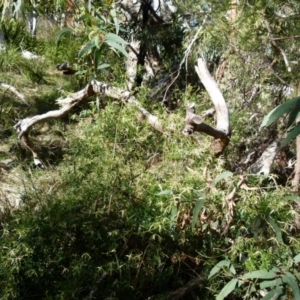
(126, 211)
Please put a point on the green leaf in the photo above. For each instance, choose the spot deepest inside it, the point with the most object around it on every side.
(228, 288)
(88, 46)
(115, 38)
(292, 118)
(198, 206)
(270, 283)
(293, 134)
(285, 108)
(261, 274)
(81, 72)
(216, 269)
(165, 192)
(96, 40)
(97, 54)
(113, 13)
(290, 279)
(117, 46)
(174, 213)
(221, 176)
(276, 229)
(103, 66)
(232, 270)
(292, 198)
(63, 32)
(273, 294)
(297, 259)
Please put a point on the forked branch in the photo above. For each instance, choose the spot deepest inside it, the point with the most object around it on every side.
(94, 88)
(195, 123)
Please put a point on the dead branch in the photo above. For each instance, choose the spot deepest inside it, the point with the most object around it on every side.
(263, 165)
(215, 95)
(185, 290)
(66, 68)
(94, 88)
(230, 204)
(195, 123)
(14, 91)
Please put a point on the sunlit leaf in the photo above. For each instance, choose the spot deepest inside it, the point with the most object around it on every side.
(232, 270)
(261, 274)
(64, 32)
(276, 229)
(293, 198)
(117, 46)
(297, 259)
(96, 40)
(216, 269)
(81, 72)
(223, 175)
(270, 283)
(228, 288)
(291, 281)
(88, 46)
(279, 111)
(113, 13)
(165, 192)
(115, 38)
(103, 66)
(273, 294)
(198, 206)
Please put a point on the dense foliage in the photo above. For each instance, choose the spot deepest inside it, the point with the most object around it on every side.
(122, 211)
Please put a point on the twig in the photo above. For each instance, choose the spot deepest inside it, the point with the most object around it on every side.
(186, 54)
(278, 47)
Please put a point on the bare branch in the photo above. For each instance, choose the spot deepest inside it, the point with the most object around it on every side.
(14, 91)
(263, 165)
(285, 38)
(186, 55)
(195, 123)
(215, 96)
(96, 87)
(186, 289)
(278, 47)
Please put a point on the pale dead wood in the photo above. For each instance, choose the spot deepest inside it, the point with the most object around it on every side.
(263, 165)
(216, 96)
(94, 88)
(195, 122)
(14, 91)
